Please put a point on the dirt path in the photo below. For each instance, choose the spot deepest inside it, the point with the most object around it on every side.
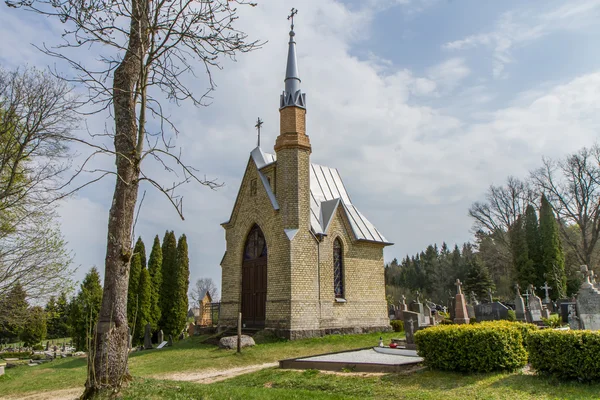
(63, 394)
(212, 375)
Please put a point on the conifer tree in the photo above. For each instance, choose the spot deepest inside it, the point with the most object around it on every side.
(144, 306)
(180, 308)
(552, 254)
(523, 265)
(84, 310)
(169, 284)
(52, 319)
(34, 330)
(155, 271)
(534, 249)
(478, 279)
(13, 312)
(132, 291)
(62, 309)
(140, 249)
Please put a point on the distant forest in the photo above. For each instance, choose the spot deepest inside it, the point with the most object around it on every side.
(527, 231)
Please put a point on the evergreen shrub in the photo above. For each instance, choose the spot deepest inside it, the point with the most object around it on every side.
(483, 347)
(397, 325)
(565, 354)
(15, 354)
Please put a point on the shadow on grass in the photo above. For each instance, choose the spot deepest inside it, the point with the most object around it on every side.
(72, 363)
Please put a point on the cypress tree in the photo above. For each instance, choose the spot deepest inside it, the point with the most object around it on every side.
(140, 249)
(532, 237)
(523, 265)
(183, 282)
(552, 254)
(154, 269)
(478, 279)
(144, 306)
(169, 284)
(135, 269)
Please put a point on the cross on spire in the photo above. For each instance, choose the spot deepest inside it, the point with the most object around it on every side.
(291, 16)
(259, 123)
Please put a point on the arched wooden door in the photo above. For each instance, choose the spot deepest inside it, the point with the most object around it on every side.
(254, 279)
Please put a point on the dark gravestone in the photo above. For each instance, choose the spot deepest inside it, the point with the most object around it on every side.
(491, 311)
(411, 325)
(563, 306)
(416, 306)
(470, 311)
(170, 343)
(148, 337)
(519, 306)
(161, 336)
(451, 305)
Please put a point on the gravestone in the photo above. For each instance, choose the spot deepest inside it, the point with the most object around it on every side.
(451, 305)
(572, 317)
(588, 303)
(411, 325)
(148, 337)
(491, 311)
(191, 329)
(427, 318)
(170, 342)
(519, 306)
(161, 336)
(547, 301)
(47, 345)
(161, 345)
(416, 305)
(401, 308)
(545, 312)
(461, 315)
(535, 307)
(563, 309)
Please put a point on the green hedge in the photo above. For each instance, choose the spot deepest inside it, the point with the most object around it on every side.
(15, 354)
(483, 347)
(566, 354)
(397, 325)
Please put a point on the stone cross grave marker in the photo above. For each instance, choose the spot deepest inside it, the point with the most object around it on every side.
(411, 325)
(461, 315)
(546, 290)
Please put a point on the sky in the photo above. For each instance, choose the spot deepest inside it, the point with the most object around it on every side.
(419, 104)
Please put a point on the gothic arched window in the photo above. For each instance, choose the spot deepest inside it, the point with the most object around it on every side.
(255, 244)
(338, 269)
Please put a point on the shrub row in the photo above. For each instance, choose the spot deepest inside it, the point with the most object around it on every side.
(483, 347)
(566, 354)
(397, 325)
(15, 354)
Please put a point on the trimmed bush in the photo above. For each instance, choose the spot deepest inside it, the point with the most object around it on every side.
(484, 347)
(15, 354)
(566, 354)
(397, 325)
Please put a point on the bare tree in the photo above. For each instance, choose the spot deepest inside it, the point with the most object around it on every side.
(37, 114)
(503, 205)
(204, 285)
(148, 46)
(572, 186)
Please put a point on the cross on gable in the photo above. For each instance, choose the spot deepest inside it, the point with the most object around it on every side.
(259, 123)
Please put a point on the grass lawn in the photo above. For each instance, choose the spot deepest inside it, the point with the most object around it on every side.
(283, 385)
(191, 355)
(187, 355)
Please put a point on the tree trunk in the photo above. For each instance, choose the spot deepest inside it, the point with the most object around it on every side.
(107, 360)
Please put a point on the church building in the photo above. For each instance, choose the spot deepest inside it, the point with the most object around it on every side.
(301, 260)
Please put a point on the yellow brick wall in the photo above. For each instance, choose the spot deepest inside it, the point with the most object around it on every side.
(300, 298)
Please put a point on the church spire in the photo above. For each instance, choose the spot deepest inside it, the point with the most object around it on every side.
(292, 95)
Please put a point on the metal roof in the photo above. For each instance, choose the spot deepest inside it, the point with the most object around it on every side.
(327, 193)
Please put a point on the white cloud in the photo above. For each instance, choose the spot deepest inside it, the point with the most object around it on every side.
(522, 26)
(413, 169)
